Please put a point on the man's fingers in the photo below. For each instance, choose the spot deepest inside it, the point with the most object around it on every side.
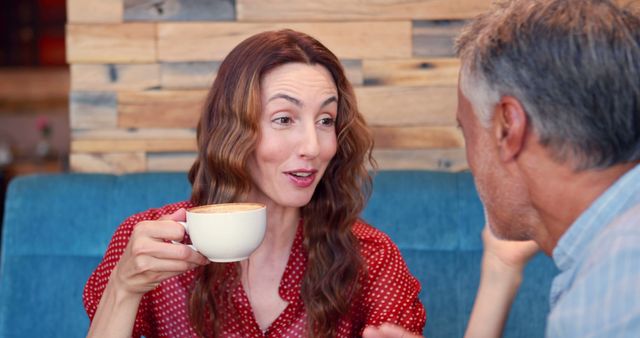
(371, 332)
(387, 331)
(390, 330)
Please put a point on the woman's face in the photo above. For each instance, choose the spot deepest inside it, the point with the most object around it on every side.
(298, 135)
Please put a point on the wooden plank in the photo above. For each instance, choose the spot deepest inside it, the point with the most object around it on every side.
(453, 160)
(165, 144)
(411, 72)
(115, 77)
(34, 90)
(213, 41)
(92, 109)
(353, 71)
(179, 10)
(435, 38)
(408, 106)
(26, 84)
(181, 162)
(329, 10)
(94, 11)
(200, 75)
(122, 43)
(116, 163)
(188, 75)
(132, 134)
(417, 137)
(160, 109)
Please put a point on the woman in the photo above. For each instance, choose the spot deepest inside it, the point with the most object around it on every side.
(280, 127)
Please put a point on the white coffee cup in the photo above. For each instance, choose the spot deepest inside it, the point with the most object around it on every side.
(226, 232)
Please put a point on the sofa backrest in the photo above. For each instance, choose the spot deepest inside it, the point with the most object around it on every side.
(56, 229)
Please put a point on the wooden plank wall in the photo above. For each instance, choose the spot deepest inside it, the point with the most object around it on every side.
(141, 68)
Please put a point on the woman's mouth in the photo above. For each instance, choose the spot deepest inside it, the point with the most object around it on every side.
(302, 178)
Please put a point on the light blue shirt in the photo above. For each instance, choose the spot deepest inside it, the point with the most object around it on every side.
(597, 292)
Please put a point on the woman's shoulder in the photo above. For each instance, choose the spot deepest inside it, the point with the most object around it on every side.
(373, 241)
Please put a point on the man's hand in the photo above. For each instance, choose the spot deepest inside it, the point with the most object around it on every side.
(387, 331)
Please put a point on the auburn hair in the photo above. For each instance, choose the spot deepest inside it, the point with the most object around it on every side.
(227, 134)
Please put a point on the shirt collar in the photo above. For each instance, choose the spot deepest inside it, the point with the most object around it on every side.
(615, 200)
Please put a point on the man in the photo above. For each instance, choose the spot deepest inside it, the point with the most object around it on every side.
(549, 105)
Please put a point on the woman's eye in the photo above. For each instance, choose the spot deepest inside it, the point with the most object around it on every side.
(282, 120)
(327, 121)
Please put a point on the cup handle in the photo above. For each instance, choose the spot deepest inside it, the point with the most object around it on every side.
(186, 228)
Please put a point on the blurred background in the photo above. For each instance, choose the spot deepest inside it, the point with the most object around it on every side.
(34, 89)
(116, 86)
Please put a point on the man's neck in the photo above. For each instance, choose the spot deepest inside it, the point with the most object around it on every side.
(561, 195)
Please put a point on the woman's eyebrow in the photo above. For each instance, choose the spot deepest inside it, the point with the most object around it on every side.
(328, 101)
(286, 97)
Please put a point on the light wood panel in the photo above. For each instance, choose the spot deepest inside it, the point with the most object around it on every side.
(94, 11)
(188, 75)
(417, 137)
(165, 144)
(421, 159)
(411, 72)
(408, 106)
(213, 41)
(160, 109)
(133, 134)
(200, 75)
(324, 10)
(140, 71)
(123, 43)
(118, 163)
(115, 77)
(178, 10)
(170, 161)
(133, 140)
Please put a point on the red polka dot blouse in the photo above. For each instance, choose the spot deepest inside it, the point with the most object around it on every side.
(389, 292)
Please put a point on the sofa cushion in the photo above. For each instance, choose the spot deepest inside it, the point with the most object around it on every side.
(57, 227)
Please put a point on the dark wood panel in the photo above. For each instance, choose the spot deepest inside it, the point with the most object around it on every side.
(179, 10)
(435, 38)
(89, 109)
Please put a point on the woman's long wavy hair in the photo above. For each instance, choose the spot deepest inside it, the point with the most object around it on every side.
(228, 131)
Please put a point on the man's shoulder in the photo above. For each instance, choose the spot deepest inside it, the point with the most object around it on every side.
(621, 234)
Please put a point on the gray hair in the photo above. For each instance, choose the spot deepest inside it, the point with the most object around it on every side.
(574, 65)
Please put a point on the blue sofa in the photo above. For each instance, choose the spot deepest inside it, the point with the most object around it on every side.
(56, 229)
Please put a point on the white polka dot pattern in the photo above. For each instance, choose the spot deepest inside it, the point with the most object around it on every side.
(389, 292)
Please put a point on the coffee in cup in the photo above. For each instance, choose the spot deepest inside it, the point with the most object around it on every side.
(226, 232)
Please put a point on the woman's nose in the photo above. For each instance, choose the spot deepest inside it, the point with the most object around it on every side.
(309, 146)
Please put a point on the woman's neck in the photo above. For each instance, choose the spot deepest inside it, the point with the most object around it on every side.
(282, 224)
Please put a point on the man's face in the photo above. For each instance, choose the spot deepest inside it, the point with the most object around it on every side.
(503, 193)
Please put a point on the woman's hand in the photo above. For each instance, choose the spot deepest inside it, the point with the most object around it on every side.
(502, 265)
(149, 259)
(502, 254)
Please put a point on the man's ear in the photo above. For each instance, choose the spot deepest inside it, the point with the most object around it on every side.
(510, 123)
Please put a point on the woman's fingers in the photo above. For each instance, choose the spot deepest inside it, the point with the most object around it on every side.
(171, 251)
(159, 230)
(150, 257)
